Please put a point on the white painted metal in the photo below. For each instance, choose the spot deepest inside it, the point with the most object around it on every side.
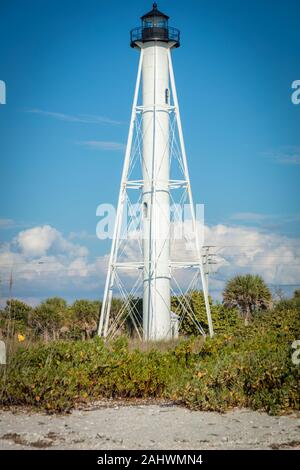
(156, 212)
(2, 353)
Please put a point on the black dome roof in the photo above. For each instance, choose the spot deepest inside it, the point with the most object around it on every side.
(154, 12)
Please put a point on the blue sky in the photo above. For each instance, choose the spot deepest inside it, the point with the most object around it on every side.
(70, 75)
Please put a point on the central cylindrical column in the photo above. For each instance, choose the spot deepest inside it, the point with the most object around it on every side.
(156, 204)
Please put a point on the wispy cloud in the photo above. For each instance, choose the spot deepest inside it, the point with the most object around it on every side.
(265, 221)
(11, 224)
(7, 223)
(103, 145)
(81, 118)
(285, 156)
(83, 235)
(249, 217)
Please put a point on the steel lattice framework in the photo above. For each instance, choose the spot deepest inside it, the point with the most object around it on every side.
(126, 262)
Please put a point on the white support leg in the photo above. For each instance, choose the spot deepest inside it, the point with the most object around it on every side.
(107, 298)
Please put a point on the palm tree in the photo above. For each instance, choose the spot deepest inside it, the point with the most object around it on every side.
(248, 293)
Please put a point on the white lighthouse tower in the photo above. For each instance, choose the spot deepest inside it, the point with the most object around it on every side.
(151, 144)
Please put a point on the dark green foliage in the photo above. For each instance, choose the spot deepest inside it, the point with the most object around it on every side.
(134, 322)
(240, 367)
(57, 375)
(49, 317)
(52, 319)
(294, 302)
(83, 319)
(297, 294)
(225, 319)
(222, 317)
(86, 310)
(14, 317)
(248, 293)
(181, 305)
(17, 310)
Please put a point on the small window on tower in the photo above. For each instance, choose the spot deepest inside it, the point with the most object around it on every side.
(167, 93)
(145, 210)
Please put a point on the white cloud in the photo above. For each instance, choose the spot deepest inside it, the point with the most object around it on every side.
(36, 241)
(39, 241)
(239, 250)
(46, 263)
(82, 235)
(243, 249)
(40, 258)
(79, 268)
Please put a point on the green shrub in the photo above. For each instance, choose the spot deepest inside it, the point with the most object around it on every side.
(14, 317)
(241, 367)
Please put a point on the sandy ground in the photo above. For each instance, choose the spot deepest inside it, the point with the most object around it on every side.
(161, 426)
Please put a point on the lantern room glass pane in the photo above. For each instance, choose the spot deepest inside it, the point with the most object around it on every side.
(155, 22)
(148, 23)
(159, 22)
